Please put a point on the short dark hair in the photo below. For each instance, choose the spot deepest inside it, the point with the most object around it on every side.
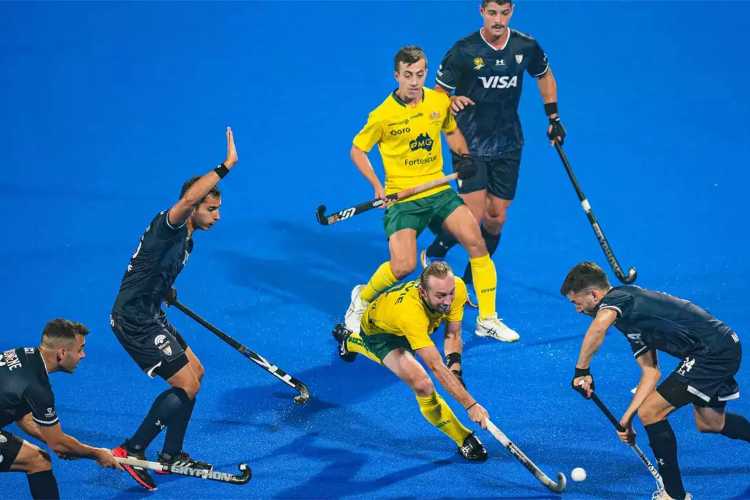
(60, 329)
(499, 2)
(214, 190)
(408, 55)
(439, 269)
(585, 275)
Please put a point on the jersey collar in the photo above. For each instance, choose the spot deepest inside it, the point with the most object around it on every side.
(481, 35)
(400, 101)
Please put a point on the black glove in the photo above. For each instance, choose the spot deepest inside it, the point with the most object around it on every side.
(464, 166)
(582, 372)
(450, 360)
(556, 131)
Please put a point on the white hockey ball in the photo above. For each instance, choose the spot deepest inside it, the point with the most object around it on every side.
(578, 474)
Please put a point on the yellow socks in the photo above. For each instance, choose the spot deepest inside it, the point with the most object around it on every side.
(381, 280)
(437, 412)
(485, 284)
(354, 344)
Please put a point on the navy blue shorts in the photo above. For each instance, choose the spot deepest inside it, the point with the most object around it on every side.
(499, 176)
(704, 380)
(153, 343)
(10, 445)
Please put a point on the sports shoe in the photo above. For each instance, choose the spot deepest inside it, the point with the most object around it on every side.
(663, 495)
(341, 333)
(140, 474)
(356, 310)
(473, 449)
(182, 459)
(492, 327)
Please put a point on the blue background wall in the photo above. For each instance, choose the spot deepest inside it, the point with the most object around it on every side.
(106, 108)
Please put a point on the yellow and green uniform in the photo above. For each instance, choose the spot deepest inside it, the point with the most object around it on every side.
(409, 141)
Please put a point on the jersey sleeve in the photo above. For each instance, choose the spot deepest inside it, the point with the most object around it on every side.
(449, 124)
(538, 63)
(370, 134)
(42, 403)
(162, 228)
(456, 312)
(449, 69)
(414, 328)
(618, 300)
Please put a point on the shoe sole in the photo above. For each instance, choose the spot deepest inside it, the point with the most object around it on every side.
(137, 478)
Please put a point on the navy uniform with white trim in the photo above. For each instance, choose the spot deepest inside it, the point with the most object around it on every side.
(709, 350)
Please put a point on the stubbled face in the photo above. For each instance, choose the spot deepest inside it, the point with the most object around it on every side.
(410, 78)
(496, 18)
(586, 300)
(69, 356)
(440, 293)
(207, 213)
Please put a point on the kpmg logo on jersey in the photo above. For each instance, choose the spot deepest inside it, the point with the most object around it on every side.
(163, 344)
(499, 82)
(423, 141)
(478, 63)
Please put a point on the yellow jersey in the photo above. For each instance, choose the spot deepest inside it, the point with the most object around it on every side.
(409, 140)
(401, 311)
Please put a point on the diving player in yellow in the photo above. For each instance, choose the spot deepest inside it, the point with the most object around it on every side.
(406, 128)
(397, 324)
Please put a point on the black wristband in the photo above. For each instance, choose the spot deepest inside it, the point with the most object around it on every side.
(550, 108)
(221, 171)
(582, 372)
(472, 404)
(452, 358)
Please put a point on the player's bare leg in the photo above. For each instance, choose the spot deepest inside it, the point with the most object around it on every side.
(37, 465)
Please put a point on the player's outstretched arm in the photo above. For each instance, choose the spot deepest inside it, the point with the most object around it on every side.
(650, 375)
(181, 210)
(453, 347)
(431, 357)
(68, 447)
(362, 162)
(548, 88)
(583, 381)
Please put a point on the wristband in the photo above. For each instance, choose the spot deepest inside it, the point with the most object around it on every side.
(582, 372)
(452, 358)
(221, 171)
(550, 108)
(472, 404)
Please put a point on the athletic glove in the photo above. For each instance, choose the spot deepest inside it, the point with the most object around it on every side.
(450, 360)
(556, 131)
(581, 372)
(464, 166)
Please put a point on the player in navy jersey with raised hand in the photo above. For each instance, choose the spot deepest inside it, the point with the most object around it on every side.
(143, 329)
(484, 71)
(26, 399)
(709, 351)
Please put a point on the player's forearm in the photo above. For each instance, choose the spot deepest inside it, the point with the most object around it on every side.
(548, 87)
(457, 142)
(451, 384)
(362, 162)
(70, 447)
(591, 344)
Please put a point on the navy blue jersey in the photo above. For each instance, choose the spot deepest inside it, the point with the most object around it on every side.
(492, 78)
(24, 387)
(658, 321)
(161, 254)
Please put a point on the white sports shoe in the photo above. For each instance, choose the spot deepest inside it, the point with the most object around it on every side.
(356, 309)
(492, 327)
(663, 495)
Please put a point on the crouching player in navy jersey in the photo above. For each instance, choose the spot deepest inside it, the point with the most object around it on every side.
(709, 353)
(143, 329)
(26, 398)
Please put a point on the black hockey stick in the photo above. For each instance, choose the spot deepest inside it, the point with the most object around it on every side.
(526, 461)
(654, 472)
(632, 273)
(304, 392)
(225, 477)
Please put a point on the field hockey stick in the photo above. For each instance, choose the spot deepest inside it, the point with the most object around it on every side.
(632, 273)
(466, 170)
(526, 461)
(304, 392)
(654, 472)
(225, 477)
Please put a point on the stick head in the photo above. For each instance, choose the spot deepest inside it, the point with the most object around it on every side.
(304, 395)
(630, 278)
(320, 215)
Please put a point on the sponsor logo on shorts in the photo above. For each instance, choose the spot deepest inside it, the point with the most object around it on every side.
(162, 343)
(423, 141)
(686, 366)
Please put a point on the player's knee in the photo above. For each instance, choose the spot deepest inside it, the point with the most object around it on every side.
(650, 415)
(39, 461)
(494, 222)
(709, 427)
(475, 247)
(423, 386)
(403, 266)
(198, 370)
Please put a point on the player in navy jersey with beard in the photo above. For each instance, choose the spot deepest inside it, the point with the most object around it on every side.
(709, 351)
(484, 72)
(142, 328)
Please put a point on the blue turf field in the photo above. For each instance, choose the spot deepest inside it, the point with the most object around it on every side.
(106, 108)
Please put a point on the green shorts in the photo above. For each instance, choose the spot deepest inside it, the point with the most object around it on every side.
(421, 213)
(380, 344)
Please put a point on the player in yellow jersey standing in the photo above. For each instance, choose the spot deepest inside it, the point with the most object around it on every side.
(397, 324)
(406, 128)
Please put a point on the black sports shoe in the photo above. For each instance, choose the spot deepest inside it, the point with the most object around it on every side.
(341, 334)
(140, 474)
(182, 459)
(473, 449)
